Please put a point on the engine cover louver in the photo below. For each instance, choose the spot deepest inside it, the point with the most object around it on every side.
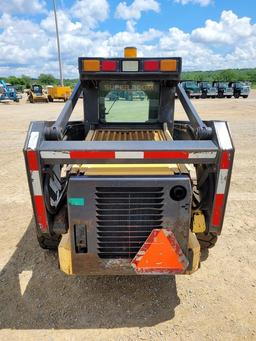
(125, 218)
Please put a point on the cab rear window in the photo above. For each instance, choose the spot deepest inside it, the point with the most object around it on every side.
(129, 101)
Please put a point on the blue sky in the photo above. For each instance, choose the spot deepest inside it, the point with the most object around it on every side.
(186, 17)
(207, 34)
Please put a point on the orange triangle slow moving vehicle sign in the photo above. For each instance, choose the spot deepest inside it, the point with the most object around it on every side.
(160, 254)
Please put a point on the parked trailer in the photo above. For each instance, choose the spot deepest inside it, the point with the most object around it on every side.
(129, 189)
(59, 92)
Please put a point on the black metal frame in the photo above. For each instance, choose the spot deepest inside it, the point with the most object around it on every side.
(200, 130)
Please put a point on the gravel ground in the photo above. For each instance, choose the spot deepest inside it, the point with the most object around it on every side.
(38, 302)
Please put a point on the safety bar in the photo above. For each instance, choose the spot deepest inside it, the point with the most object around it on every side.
(195, 152)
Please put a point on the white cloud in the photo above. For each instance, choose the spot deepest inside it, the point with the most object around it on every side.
(90, 12)
(133, 12)
(229, 30)
(30, 48)
(202, 3)
(22, 6)
(195, 56)
(20, 41)
(64, 23)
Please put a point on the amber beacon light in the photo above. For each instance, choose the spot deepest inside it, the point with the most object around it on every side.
(130, 52)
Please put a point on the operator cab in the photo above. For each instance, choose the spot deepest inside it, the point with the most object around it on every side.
(37, 89)
(132, 92)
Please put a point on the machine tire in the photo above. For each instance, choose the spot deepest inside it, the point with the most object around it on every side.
(229, 96)
(220, 95)
(50, 99)
(213, 97)
(31, 100)
(207, 241)
(236, 95)
(46, 241)
(245, 96)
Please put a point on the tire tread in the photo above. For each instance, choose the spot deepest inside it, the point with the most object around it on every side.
(207, 241)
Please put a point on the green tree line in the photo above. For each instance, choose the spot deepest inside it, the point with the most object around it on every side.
(25, 82)
(229, 75)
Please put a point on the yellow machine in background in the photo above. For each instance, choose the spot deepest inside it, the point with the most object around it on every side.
(59, 92)
(36, 94)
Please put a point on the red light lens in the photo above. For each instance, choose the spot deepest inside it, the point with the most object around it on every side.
(108, 65)
(151, 65)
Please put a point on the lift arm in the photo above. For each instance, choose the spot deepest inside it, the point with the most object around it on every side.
(201, 131)
(56, 131)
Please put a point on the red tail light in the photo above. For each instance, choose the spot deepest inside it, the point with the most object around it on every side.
(108, 65)
(151, 65)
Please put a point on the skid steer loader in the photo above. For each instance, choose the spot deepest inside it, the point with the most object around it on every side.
(129, 189)
(36, 94)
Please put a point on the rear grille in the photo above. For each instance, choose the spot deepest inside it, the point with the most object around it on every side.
(125, 218)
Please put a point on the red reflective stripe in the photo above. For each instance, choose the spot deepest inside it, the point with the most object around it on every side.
(166, 155)
(92, 155)
(40, 211)
(217, 209)
(111, 155)
(219, 200)
(32, 160)
(225, 160)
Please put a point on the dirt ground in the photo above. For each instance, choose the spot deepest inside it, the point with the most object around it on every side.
(38, 302)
